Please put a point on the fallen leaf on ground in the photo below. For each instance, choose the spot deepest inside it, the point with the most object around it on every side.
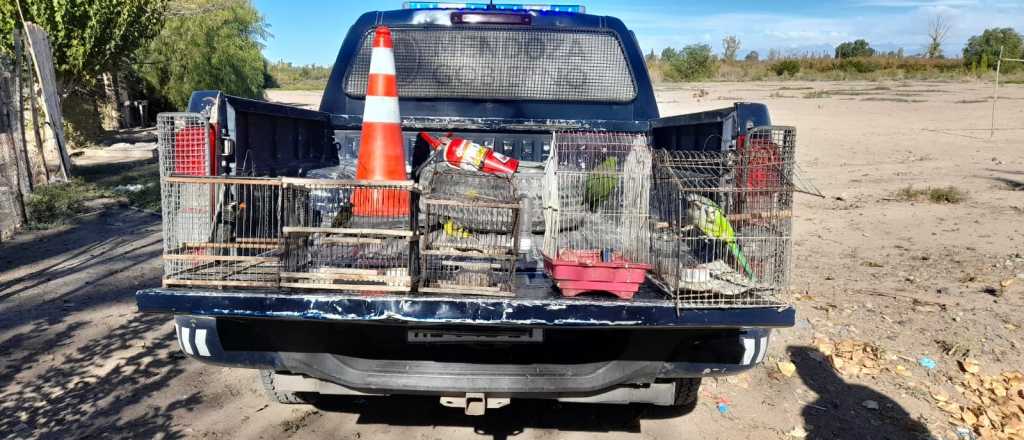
(970, 365)
(786, 368)
(798, 432)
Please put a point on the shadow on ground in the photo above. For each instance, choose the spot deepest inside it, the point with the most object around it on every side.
(500, 424)
(77, 361)
(840, 411)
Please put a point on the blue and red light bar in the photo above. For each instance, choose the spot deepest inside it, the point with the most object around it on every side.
(497, 6)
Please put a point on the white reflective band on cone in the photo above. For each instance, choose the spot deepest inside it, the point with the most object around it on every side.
(382, 60)
(381, 109)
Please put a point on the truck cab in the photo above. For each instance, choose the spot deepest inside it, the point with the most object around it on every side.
(508, 77)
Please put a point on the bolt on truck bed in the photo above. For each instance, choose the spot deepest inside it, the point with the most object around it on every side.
(466, 348)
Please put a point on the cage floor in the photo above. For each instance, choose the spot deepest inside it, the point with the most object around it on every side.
(528, 286)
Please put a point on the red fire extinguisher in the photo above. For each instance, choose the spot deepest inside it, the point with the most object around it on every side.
(461, 153)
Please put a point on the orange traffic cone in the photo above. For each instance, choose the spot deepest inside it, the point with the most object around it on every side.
(381, 153)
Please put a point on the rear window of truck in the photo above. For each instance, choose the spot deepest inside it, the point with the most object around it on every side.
(503, 64)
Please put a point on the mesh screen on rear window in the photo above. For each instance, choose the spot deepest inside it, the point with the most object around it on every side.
(503, 63)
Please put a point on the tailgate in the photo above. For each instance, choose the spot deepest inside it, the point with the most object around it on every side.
(539, 307)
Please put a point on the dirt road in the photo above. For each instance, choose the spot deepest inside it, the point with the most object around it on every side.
(913, 278)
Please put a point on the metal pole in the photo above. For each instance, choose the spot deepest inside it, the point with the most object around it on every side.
(995, 94)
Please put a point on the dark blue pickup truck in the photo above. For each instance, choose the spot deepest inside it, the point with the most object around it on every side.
(506, 78)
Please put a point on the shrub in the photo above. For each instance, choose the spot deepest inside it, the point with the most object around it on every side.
(790, 67)
(948, 194)
(56, 203)
(693, 63)
(858, 65)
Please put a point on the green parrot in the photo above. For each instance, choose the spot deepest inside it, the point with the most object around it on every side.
(705, 214)
(601, 182)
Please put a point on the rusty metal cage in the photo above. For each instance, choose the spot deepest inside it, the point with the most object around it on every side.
(348, 234)
(221, 232)
(183, 144)
(597, 194)
(722, 222)
(470, 236)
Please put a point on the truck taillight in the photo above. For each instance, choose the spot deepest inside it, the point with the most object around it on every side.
(195, 151)
(760, 158)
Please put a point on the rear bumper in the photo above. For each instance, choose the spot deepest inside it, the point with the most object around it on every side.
(645, 360)
(465, 310)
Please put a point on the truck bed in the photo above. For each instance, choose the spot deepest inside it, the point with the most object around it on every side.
(536, 303)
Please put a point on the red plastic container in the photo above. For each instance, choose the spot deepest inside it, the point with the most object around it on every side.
(577, 272)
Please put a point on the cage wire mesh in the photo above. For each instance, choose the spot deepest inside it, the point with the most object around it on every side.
(221, 232)
(348, 235)
(597, 196)
(183, 144)
(723, 221)
(470, 238)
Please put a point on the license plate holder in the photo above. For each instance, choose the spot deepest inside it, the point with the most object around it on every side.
(438, 336)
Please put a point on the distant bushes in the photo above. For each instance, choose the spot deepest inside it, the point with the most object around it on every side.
(786, 67)
(288, 76)
(821, 68)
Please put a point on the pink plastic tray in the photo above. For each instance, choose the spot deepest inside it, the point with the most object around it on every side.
(576, 272)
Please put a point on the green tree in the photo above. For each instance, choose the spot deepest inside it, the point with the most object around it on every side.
(752, 56)
(730, 45)
(209, 44)
(693, 63)
(854, 49)
(88, 37)
(984, 49)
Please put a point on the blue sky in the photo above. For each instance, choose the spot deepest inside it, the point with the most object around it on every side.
(310, 31)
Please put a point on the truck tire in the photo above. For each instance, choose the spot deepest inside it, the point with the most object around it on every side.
(687, 391)
(283, 397)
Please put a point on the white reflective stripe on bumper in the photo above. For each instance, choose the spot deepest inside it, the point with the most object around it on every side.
(201, 342)
(749, 349)
(185, 340)
(764, 350)
(177, 335)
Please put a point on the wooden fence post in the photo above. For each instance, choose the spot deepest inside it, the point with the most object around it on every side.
(18, 127)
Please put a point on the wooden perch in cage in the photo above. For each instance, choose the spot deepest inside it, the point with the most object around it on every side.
(751, 216)
(289, 230)
(348, 182)
(236, 245)
(378, 278)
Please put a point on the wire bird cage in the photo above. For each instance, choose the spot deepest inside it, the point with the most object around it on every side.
(183, 143)
(348, 235)
(723, 221)
(597, 202)
(221, 232)
(470, 239)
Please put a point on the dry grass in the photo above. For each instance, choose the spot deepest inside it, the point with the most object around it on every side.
(892, 99)
(946, 194)
(817, 94)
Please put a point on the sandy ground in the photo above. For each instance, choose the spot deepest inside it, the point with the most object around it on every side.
(914, 278)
